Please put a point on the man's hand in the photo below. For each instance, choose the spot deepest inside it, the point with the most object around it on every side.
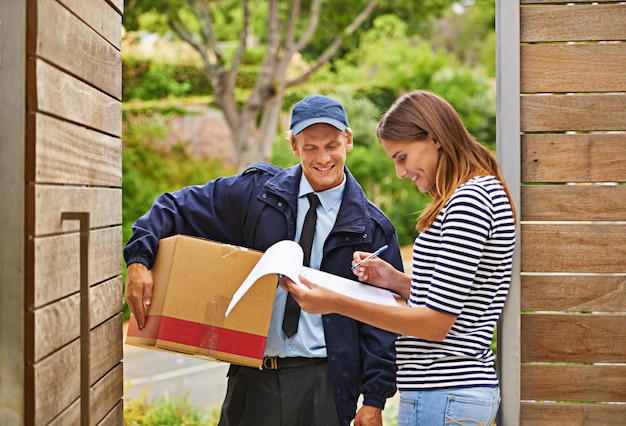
(139, 285)
(369, 416)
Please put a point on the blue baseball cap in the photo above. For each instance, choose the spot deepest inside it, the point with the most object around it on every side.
(318, 109)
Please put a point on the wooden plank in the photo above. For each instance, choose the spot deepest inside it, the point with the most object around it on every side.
(100, 62)
(569, 382)
(573, 158)
(566, 23)
(103, 18)
(563, 1)
(106, 348)
(106, 300)
(56, 384)
(574, 202)
(115, 417)
(573, 293)
(46, 203)
(541, 113)
(82, 104)
(542, 414)
(106, 394)
(69, 416)
(574, 248)
(118, 5)
(581, 67)
(55, 273)
(573, 338)
(62, 152)
(57, 324)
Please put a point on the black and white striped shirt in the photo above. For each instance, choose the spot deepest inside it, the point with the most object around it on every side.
(461, 266)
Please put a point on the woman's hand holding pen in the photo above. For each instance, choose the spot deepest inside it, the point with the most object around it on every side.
(380, 273)
(372, 270)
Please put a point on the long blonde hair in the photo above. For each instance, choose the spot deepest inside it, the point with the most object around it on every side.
(418, 114)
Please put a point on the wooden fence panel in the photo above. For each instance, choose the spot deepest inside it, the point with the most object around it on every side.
(573, 113)
(575, 382)
(573, 338)
(50, 201)
(73, 164)
(105, 393)
(58, 323)
(558, 157)
(100, 62)
(56, 271)
(582, 68)
(564, 2)
(573, 248)
(574, 203)
(103, 19)
(554, 414)
(92, 158)
(81, 103)
(573, 212)
(56, 384)
(573, 293)
(580, 23)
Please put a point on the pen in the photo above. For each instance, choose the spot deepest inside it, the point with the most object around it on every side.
(376, 253)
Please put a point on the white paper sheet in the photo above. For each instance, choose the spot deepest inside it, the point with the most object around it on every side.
(285, 257)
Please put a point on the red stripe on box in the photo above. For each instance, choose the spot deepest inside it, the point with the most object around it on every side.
(210, 337)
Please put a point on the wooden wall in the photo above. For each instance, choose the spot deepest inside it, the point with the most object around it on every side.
(573, 212)
(73, 164)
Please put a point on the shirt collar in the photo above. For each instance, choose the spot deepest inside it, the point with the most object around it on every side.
(328, 198)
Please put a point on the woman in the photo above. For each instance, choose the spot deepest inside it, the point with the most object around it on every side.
(462, 262)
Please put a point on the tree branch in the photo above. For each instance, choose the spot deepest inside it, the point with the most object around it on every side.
(334, 47)
(316, 11)
(201, 11)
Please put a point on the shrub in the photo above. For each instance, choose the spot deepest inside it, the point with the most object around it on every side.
(167, 411)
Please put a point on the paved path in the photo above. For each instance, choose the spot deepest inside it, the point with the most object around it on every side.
(159, 374)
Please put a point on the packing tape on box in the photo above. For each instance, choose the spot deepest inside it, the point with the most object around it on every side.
(214, 319)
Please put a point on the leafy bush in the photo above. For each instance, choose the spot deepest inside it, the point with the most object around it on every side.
(148, 79)
(167, 411)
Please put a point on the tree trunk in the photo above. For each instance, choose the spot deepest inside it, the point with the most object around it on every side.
(254, 143)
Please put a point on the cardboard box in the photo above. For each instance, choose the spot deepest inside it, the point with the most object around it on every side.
(194, 281)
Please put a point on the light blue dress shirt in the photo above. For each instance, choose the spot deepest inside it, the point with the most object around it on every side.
(309, 340)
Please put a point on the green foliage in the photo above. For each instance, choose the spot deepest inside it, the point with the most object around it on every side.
(468, 31)
(148, 79)
(227, 18)
(398, 198)
(398, 63)
(167, 411)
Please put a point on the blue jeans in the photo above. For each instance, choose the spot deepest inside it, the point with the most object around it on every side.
(475, 406)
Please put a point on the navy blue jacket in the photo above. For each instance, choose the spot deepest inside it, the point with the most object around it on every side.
(256, 209)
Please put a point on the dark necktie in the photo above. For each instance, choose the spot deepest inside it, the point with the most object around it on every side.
(292, 309)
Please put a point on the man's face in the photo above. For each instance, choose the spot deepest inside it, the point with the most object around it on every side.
(322, 150)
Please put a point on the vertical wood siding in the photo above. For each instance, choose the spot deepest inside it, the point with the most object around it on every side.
(73, 164)
(573, 212)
